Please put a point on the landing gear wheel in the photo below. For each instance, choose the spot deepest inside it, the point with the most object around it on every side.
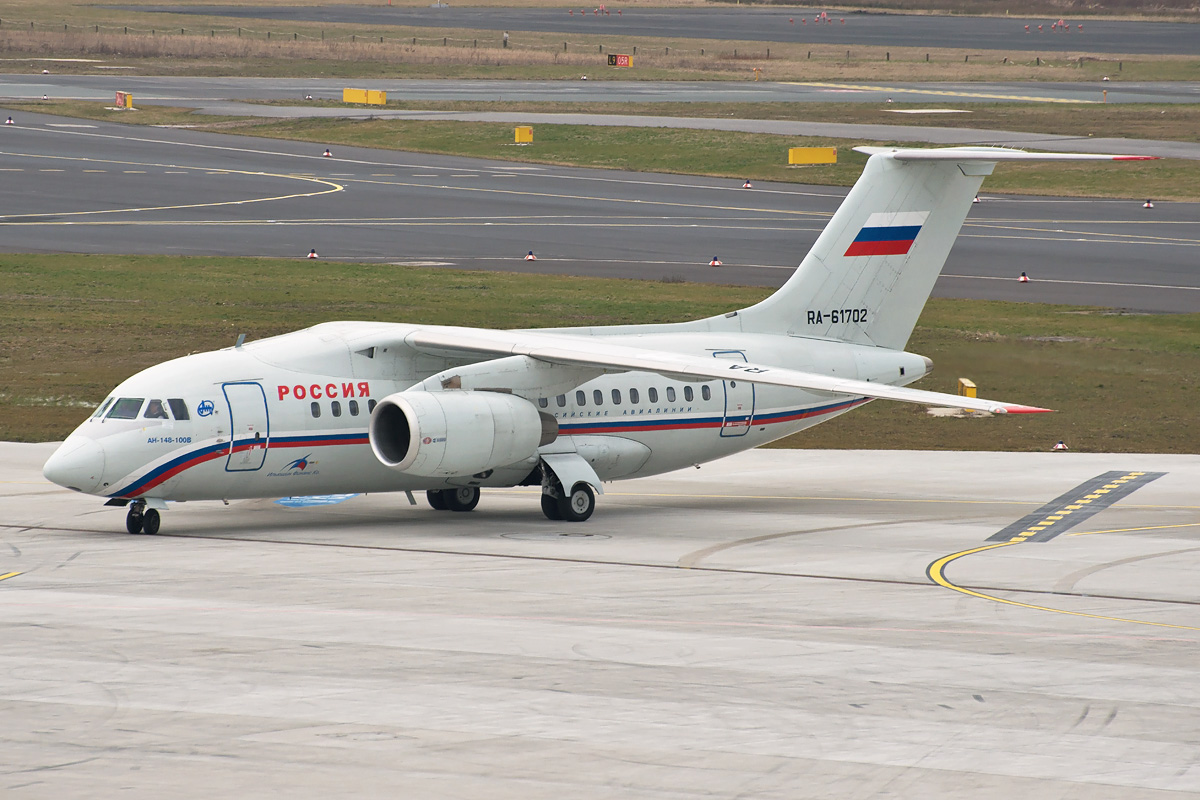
(579, 504)
(550, 507)
(150, 521)
(437, 500)
(134, 520)
(464, 499)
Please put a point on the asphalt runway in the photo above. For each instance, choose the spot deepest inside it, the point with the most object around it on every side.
(79, 186)
(207, 92)
(753, 25)
(777, 625)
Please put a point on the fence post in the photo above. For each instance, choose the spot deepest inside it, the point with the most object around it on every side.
(564, 47)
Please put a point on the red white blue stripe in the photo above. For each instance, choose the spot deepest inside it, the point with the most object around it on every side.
(888, 233)
(194, 458)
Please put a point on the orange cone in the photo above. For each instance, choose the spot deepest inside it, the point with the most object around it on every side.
(747, 185)
(1147, 204)
(530, 256)
(716, 262)
(976, 200)
(312, 254)
(327, 154)
(1023, 279)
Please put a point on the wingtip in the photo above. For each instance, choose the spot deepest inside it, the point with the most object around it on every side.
(1025, 410)
(1136, 158)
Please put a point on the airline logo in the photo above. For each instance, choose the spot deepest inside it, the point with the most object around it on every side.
(887, 234)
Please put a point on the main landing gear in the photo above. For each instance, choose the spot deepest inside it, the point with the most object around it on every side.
(574, 507)
(140, 519)
(557, 505)
(464, 499)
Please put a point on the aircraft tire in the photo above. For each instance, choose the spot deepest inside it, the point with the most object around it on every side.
(151, 522)
(134, 521)
(464, 499)
(550, 508)
(437, 500)
(579, 504)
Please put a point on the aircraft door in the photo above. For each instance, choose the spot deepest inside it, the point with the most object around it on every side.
(249, 428)
(739, 400)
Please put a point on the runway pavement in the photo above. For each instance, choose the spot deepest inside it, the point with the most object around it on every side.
(205, 92)
(754, 25)
(777, 625)
(79, 186)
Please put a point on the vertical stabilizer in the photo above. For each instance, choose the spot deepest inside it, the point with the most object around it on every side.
(871, 270)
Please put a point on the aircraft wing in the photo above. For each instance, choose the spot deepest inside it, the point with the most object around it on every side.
(591, 351)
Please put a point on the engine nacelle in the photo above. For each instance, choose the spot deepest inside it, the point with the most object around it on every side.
(452, 434)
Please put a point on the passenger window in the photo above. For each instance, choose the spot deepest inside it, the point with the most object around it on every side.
(652, 393)
(633, 396)
(561, 400)
(580, 398)
(688, 394)
(316, 409)
(616, 393)
(353, 408)
(705, 392)
(103, 407)
(335, 408)
(155, 410)
(670, 394)
(598, 397)
(370, 406)
(178, 408)
(126, 408)
(543, 402)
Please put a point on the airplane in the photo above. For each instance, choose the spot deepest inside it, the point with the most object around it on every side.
(361, 407)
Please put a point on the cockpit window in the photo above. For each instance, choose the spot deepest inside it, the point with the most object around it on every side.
(178, 408)
(155, 410)
(103, 407)
(125, 408)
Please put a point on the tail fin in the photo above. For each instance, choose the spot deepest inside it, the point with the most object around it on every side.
(871, 270)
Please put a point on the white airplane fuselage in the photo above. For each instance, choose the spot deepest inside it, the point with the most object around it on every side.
(354, 407)
(289, 415)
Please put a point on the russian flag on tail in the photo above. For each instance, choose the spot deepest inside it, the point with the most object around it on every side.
(887, 234)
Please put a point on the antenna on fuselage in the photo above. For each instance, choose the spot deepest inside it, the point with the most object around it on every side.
(241, 338)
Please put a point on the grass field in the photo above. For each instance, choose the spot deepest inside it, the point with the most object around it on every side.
(75, 326)
(109, 38)
(671, 150)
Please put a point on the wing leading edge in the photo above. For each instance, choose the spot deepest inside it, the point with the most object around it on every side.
(594, 352)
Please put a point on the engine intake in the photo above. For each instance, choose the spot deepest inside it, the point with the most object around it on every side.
(457, 433)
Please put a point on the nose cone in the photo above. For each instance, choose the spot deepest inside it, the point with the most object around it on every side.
(78, 464)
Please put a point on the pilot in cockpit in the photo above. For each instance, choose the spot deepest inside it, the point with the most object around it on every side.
(155, 410)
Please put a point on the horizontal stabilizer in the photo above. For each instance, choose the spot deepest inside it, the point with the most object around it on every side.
(993, 154)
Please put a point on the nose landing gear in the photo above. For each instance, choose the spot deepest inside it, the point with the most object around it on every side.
(140, 519)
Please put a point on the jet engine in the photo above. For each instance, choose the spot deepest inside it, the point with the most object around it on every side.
(456, 433)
